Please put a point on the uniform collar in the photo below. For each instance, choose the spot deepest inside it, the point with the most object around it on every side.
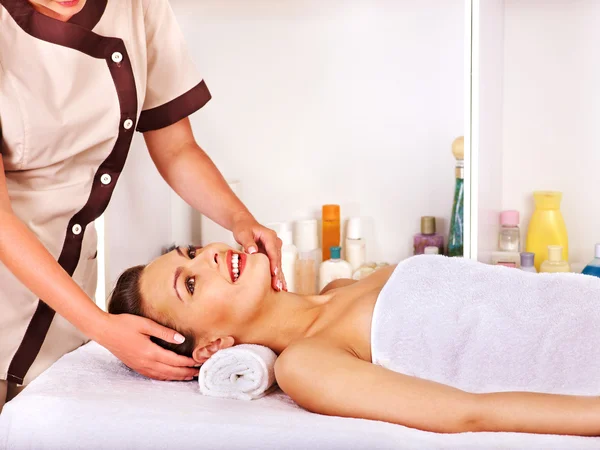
(90, 15)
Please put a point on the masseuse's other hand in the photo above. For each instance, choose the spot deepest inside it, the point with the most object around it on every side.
(254, 237)
(128, 338)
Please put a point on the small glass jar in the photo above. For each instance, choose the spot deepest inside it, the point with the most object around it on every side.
(509, 239)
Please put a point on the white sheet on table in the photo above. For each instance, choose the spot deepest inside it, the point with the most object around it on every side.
(89, 400)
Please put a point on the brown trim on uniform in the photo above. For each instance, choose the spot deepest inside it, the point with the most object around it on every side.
(164, 115)
(90, 15)
(74, 36)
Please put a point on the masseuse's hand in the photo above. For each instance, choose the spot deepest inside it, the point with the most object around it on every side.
(254, 237)
(128, 338)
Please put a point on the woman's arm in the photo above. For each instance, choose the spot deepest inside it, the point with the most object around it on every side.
(331, 381)
(192, 174)
(126, 337)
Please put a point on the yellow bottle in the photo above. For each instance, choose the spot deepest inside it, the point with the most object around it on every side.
(555, 263)
(547, 227)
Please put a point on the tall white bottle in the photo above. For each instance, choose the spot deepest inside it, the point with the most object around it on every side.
(356, 250)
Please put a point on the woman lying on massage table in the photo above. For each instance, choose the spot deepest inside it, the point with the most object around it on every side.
(421, 345)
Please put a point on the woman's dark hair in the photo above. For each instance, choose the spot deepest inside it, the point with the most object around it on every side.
(126, 298)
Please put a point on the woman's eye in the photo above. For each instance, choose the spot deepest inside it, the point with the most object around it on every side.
(190, 284)
(192, 252)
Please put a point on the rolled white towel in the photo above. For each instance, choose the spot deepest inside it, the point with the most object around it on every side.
(242, 372)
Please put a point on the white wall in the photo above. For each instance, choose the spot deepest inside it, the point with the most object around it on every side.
(490, 120)
(551, 137)
(354, 102)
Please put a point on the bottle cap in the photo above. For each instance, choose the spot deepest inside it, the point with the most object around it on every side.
(527, 259)
(306, 235)
(458, 148)
(428, 225)
(509, 218)
(597, 250)
(354, 230)
(547, 199)
(555, 253)
(335, 252)
(432, 251)
(331, 212)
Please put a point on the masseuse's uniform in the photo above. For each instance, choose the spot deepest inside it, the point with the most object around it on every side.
(72, 94)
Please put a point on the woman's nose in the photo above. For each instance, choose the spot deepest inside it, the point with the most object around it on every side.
(208, 257)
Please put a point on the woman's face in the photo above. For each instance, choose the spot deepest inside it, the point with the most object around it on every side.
(199, 290)
(61, 10)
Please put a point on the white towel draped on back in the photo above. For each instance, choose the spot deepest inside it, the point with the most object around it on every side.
(486, 328)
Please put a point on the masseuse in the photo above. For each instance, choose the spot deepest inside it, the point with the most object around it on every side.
(77, 79)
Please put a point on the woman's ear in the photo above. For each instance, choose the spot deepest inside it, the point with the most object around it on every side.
(202, 353)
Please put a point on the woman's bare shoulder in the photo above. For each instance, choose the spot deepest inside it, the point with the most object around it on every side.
(304, 354)
(300, 364)
(335, 284)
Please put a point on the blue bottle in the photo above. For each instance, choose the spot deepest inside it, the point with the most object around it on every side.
(593, 268)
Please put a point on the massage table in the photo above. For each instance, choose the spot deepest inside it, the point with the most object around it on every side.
(89, 400)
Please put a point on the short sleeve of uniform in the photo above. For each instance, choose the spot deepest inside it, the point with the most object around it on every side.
(174, 87)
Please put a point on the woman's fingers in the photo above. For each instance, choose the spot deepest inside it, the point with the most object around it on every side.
(156, 330)
(165, 372)
(272, 245)
(128, 338)
(252, 236)
(246, 240)
(173, 359)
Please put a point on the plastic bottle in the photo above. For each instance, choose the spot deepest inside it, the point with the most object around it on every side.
(456, 235)
(510, 234)
(527, 262)
(356, 250)
(593, 268)
(289, 253)
(309, 256)
(547, 227)
(555, 262)
(331, 229)
(428, 237)
(334, 268)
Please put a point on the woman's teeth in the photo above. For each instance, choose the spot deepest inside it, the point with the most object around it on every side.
(235, 266)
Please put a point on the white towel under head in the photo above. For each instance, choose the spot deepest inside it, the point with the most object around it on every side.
(242, 372)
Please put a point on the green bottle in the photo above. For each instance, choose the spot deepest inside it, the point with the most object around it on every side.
(456, 235)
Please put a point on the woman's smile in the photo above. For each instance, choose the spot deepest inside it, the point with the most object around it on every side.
(235, 264)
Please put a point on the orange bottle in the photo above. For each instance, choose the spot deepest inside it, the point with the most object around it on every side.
(331, 229)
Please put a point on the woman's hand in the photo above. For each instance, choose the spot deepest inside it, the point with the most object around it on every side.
(248, 232)
(128, 338)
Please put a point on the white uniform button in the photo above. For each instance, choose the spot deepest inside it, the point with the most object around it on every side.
(76, 229)
(105, 179)
(128, 124)
(117, 57)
